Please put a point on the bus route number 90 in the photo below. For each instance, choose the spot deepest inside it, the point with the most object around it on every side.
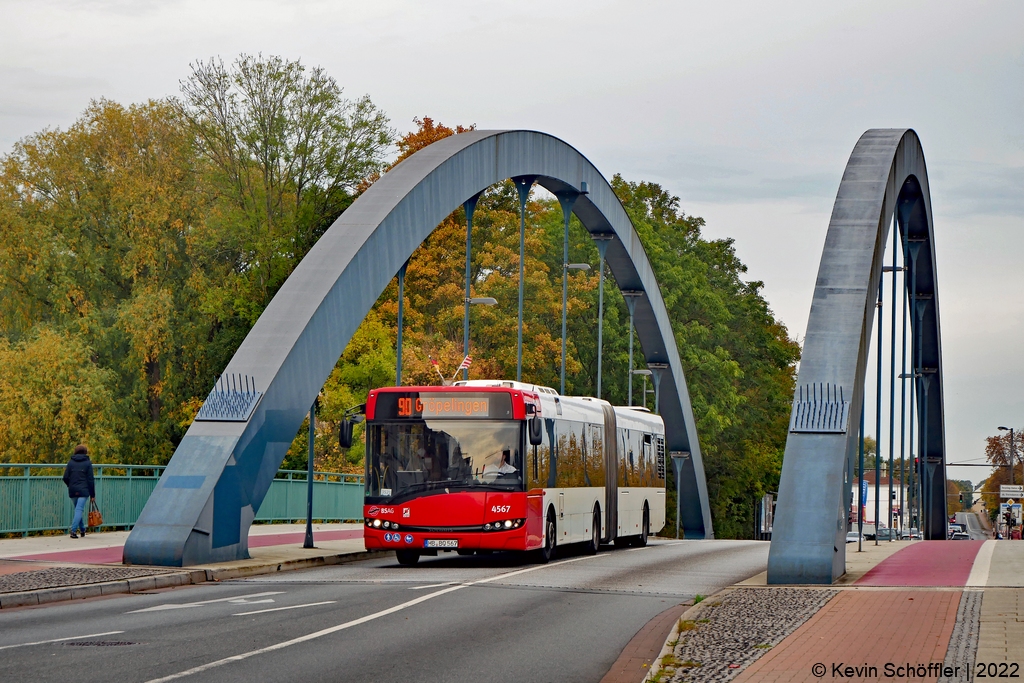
(406, 405)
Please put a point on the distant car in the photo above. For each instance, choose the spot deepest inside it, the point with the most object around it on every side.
(911, 534)
(851, 536)
(885, 534)
(960, 536)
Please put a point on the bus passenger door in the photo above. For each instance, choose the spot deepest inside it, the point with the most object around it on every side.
(611, 474)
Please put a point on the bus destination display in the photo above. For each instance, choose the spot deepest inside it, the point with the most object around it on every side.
(450, 405)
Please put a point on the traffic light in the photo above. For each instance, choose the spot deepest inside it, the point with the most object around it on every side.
(961, 497)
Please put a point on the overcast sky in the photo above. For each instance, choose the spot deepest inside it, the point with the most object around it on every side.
(747, 111)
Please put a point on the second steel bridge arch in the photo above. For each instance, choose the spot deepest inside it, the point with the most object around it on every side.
(222, 469)
(885, 178)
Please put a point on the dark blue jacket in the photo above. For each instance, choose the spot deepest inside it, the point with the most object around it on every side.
(78, 477)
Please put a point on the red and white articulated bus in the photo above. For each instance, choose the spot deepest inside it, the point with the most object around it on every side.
(489, 465)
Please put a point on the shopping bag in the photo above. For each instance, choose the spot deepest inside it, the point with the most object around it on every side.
(95, 516)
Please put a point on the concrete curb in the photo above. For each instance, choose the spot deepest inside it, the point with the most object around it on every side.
(257, 568)
(186, 577)
(45, 596)
(689, 615)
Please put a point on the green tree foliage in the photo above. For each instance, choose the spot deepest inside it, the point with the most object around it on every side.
(155, 234)
(52, 396)
(138, 247)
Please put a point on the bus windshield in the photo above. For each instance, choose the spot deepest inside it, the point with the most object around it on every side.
(405, 458)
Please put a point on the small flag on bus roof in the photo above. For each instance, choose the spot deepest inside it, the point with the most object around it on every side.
(466, 362)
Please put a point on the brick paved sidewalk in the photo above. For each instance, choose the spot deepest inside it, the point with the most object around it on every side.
(865, 630)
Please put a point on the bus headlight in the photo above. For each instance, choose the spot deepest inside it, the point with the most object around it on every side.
(508, 523)
(376, 523)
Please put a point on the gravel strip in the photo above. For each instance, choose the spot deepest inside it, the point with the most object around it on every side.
(738, 629)
(963, 642)
(56, 577)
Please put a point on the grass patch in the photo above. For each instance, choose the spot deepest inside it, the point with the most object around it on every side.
(698, 598)
(686, 625)
(703, 621)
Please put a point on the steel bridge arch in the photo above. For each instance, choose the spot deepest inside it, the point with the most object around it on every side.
(203, 505)
(885, 176)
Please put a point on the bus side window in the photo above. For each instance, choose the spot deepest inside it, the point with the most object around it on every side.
(646, 463)
(549, 464)
(624, 451)
(595, 459)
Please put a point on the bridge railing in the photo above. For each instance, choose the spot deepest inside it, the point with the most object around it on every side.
(33, 498)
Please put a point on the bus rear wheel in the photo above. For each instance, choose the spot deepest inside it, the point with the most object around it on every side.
(407, 558)
(595, 533)
(547, 553)
(645, 530)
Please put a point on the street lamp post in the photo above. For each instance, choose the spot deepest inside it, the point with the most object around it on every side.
(308, 541)
(645, 373)
(1009, 429)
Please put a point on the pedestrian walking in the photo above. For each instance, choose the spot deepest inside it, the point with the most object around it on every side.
(81, 486)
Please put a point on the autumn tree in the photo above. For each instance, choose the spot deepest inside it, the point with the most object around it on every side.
(287, 152)
(53, 396)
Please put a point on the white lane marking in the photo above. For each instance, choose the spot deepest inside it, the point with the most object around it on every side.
(433, 585)
(182, 605)
(356, 622)
(58, 640)
(250, 602)
(278, 609)
(982, 565)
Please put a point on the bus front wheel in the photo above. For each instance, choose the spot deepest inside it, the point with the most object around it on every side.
(407, 558)
(547, 553)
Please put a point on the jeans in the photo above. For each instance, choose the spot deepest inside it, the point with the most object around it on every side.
(77, 521)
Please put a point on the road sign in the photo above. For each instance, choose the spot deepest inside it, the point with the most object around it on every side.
(1014, 491)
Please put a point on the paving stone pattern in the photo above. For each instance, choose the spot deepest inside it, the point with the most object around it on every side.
(963, 643)
(739, 628)
(56, 577)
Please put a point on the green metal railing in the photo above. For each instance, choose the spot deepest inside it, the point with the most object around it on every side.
(34, 498)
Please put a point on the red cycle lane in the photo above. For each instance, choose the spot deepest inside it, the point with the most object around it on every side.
(113, 554)
(926, 563)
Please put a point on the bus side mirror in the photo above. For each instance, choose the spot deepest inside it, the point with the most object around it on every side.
(536, 431)
(345, 434)
(345, 431)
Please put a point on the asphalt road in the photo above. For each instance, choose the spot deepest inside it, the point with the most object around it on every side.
(973, 526)
(494, 618)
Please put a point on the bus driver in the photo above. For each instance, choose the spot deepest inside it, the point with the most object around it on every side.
(504, 468)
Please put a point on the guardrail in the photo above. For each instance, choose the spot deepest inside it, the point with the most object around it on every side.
(34, 498)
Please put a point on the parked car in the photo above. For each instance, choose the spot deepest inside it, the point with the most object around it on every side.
(885, 534)
(960, 536)
(851, 536)
(911, 534)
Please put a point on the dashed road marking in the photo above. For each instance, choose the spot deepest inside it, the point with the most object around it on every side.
(60, 640)
(357, 622)
(239, 599)
(278, 609)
